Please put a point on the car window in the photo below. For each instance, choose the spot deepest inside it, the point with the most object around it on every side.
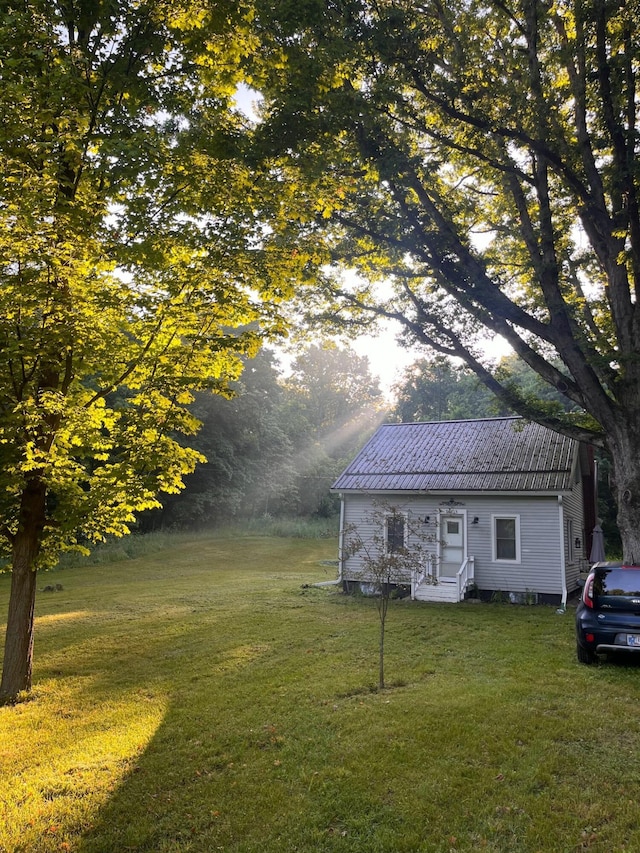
(617, 582)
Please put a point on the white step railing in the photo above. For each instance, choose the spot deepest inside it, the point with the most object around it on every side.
(465, 576)
(429, 575)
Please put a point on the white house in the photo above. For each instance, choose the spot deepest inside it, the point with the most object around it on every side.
(498, 505)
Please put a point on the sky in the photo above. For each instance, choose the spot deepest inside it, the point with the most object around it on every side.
(388, 360)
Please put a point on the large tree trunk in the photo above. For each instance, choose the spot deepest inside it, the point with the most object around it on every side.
(18, 649)
(18, 646)
(625, 453)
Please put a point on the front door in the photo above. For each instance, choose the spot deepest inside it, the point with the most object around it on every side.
(451, 545)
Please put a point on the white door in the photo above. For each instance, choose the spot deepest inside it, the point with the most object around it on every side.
(451, 545)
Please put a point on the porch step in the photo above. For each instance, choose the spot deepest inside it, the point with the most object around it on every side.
(437, 592)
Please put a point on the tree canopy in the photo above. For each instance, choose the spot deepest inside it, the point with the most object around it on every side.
(438, 389)
(480, 159)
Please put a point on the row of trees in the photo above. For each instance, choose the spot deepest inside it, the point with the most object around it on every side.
(437, 389)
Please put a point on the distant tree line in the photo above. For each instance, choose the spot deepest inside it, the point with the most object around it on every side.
(438, 389)
(276, 446)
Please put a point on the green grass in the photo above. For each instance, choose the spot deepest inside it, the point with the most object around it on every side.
(205, 697)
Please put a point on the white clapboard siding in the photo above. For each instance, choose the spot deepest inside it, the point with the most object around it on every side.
(573, 508)
(539, 567)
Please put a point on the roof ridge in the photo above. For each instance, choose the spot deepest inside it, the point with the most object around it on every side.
(457, 421)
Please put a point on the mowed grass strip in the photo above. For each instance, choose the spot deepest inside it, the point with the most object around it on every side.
(207, 698)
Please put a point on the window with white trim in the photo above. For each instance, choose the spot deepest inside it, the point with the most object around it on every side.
(506, 538)
(395, 533)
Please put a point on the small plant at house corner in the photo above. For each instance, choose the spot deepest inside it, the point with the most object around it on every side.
(388, 559)
(473, 591)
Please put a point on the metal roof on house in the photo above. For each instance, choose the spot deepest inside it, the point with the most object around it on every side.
(494, 454)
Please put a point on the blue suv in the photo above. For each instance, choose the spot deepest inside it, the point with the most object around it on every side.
(608, 614)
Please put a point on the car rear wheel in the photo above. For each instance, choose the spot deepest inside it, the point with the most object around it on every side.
(585, 655)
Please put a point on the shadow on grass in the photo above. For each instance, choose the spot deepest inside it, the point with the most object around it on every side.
(248, 756)
(265, 747)
(619, 660)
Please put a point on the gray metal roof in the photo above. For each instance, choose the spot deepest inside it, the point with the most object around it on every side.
(495, 454)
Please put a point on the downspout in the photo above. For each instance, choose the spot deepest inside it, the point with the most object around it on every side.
(341, 540)
(563, 564)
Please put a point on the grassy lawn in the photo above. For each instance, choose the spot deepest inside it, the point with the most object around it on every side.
(206, 698)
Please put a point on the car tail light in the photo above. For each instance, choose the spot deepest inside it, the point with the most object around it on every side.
(587, 595)
(589, 638)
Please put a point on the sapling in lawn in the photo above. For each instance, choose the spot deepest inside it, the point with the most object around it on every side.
(394, 549)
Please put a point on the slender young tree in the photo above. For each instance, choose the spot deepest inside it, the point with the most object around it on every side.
(391, 551)
(482, 159)
(139, 256)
